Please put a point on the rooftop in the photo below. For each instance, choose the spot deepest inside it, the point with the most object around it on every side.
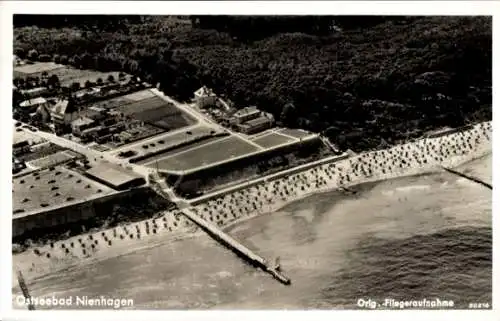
(204, 92)
(24, 135)
(33, 102)
(63, 106)
(97, 109)
(246, 111)
(92, 130)
(82, 121)
(113, 174)
(33, 90)
(257, 121)
(52, 187)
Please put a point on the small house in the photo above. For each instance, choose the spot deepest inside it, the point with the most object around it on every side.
(205, 97)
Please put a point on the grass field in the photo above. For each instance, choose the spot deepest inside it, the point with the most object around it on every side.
(114, 103)
(123, 102)
(49, 188)
(207, 154)
(130, 107)
(140, 95)
(297, 133)
(151, 161)
(165, 117)
(36, 69)
(157, 112)
(66, 75)
(168, 140)
(271, 140)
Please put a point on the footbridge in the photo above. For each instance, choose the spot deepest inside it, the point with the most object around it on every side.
(236, 246)
(468, 177)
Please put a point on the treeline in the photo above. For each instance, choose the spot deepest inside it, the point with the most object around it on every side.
(364, 87)
(99, 22)
(257, 27)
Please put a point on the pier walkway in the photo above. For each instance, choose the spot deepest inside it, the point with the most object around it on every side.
(236, 246)
(470, 178)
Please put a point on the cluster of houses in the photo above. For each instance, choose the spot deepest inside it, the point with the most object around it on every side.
(65, 114)
(248, 120)
(92, 124)
(60, 112)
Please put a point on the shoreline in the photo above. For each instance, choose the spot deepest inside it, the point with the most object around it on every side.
(316, 184)
(283, 205)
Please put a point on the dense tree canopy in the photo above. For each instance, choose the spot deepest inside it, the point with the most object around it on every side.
(364, 82)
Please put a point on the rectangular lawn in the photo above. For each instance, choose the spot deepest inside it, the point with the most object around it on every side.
(271, 140)
(207, 154)
(297, 133)
(36, 69)
(157, 112)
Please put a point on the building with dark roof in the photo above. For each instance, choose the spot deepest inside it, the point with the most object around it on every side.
(115, 176)
(256, 125)
(245, 114)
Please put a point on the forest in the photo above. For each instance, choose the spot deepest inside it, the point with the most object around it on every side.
(364, 82)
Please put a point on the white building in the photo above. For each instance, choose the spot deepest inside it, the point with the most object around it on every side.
(31, 105)
(204, 97)
(34, 92)
(80, 124)
(43, 113)
(64, 112)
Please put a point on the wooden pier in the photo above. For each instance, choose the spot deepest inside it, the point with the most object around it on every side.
(469, 177)
(236, 246)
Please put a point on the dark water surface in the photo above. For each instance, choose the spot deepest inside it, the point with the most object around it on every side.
(411, 238)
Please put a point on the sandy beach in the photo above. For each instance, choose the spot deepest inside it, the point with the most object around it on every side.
(413, 158)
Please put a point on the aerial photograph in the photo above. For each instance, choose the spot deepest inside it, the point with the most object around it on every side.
(266, 162)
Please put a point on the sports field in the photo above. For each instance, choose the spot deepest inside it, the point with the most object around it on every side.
(207, 154)
(272, 140)
(297, 133)
(151, 161)
(168, 140)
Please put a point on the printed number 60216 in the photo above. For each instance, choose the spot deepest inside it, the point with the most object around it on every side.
(478, 305)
